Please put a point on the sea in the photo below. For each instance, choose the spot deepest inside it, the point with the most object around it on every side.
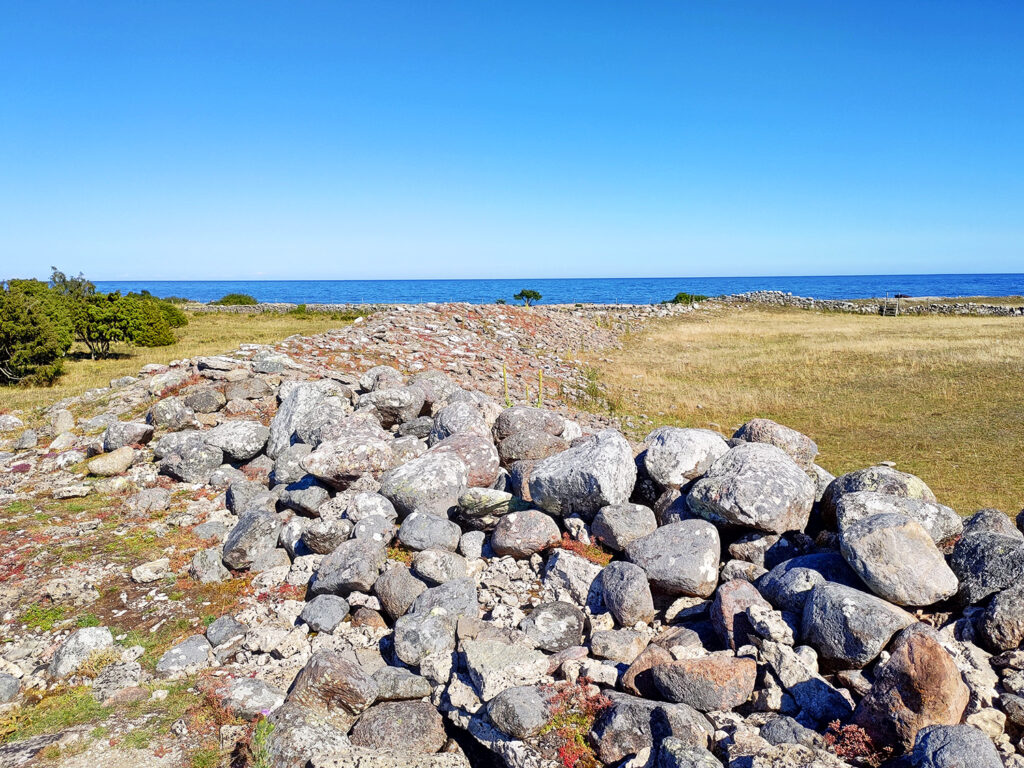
(633, 290)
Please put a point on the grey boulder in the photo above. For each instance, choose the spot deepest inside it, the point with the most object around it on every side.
(675, 456)
(681, 558)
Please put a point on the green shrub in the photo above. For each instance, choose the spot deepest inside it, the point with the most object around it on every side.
(527, 296)
(299, 311)
(147, 326)
(35, 333)
(177, 300)
(235, 300)
(686, 298)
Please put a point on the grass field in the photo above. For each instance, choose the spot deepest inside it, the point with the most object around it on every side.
(940, 396)
(207, 333)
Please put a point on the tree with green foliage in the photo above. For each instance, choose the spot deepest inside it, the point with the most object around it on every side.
(34, 333)
(527, 296)
(235, 299)
(686, 298)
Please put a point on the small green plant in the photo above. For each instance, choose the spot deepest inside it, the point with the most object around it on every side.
(235, 300)
(500, 301)
(686, 298)
(88, 620)
(527, 296)
(259, 746)
(42, 617)
(504, 381)
(299, 311)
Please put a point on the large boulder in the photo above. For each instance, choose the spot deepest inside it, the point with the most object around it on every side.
(986, 563)
(754, 485)
(583, 479)
(343, 460)
(881, 479)
(408, 726)
(632, 724)
(334, 687)
(681, 558)
(788, 585)
(800, 448)
(521, 534)
(673, 456)
(477, 452)
(529, 444)
(849, 627)
(353, 566)
(394, 405)
(898, 560)
(708, 684)
(303, 405)
(458, 418)
(917, 686)
(1002, 624)
(241, 440)
(188, 457)
(431, 484)
(953, 746)
(627, 594)
(942, 523)
(617, 525)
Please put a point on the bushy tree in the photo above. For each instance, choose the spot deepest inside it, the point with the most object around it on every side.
(34, 333)
(147, 324)
(527, 296)
(235, 300)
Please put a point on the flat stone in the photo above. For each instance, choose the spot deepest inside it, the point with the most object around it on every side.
(707, 684)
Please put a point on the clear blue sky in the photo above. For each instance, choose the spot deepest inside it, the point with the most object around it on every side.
(482, 139)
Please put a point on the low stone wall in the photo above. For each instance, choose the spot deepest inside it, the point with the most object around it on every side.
(780, 299)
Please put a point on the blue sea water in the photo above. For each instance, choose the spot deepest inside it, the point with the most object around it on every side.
(566, 291)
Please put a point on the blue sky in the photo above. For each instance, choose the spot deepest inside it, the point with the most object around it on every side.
(378, 139)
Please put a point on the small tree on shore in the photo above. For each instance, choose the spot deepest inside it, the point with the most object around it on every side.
(527, 296)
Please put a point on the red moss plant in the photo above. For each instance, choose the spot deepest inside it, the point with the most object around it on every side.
(851, 742)
(595, 553)
(574, 707)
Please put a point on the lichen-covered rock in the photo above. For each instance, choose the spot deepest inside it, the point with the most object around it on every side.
(898, 560)
(986, 563)
(426, 531)
(333, 687)
(188, 457)
(942, 523)
(627, 594)
(343, 460)
(632, 724)
(241, 440)
(583, 479)
(788, 585)
(394, 405)
(673, 456)
(419, 635)
(494, 666)
(1002, 624)
(430, 484)
(707, 684)
(522, 711)
(408, 726)
(255, 532)
(481, 508)
(325, 612)
(122, 433)
(881, 479)
(754, 485)
(78, 648)
(800, 448)
(681, 558)
(529, 444)
(617, 525)
(953, 746)
(849, 626)
(477, 453)
(554, 626)
(353, 566)
(521, 534)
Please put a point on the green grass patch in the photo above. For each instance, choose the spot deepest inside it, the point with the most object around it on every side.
(42, 617)
(58, 709)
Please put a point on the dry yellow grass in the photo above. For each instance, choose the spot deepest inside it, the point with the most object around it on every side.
(940, 396)
(207, 333)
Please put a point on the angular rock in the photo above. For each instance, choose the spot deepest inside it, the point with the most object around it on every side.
(583, 479)
(205, 400)
(324, 536)
(729, 612)
(522, 711)
(248, 698)
(394, 405)
(396, 589)
(618, 645)
(495, 666)
(353, 566)
(458, 418)
(477, 453)
(241, 440)
(170, 413)
(897, 559)
(674, 753)
(986, 563)
(122, 433)
(569, 577)
(679, 559)
(675, 456)
(255, 532)
(452, 599)
(188, 459)
(408, 726)
(848, 626)
(437, 566)
(819, 702)
(78, 648)
(419, 635)
(632, 724)
(754, 485)
(554, 626)
(1002, 625)
(207, 567)
(334, 687)
(521, 418)
(343, 460)
(188, 656)
(399, 684)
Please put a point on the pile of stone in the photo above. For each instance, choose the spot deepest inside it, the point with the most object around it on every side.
(454, 582)
(781, 299)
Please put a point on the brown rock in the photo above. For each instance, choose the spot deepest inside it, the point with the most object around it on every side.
(728, 611)
(477, 453)
(919, 685)
(408, 726)
(638, 679)
(709, 684)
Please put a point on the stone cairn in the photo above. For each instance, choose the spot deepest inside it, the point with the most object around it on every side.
(486, 585)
